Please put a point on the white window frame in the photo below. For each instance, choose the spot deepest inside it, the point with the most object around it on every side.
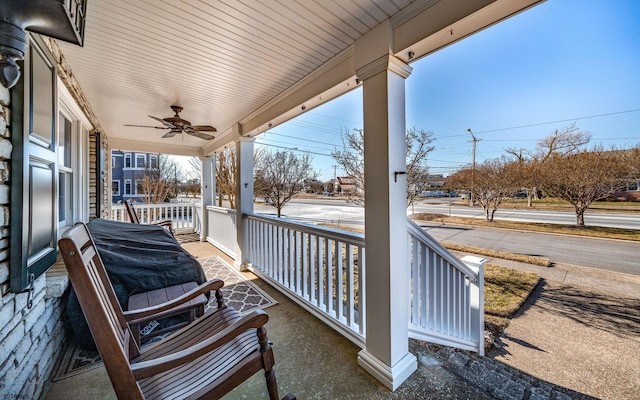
(130, 191)
(127, 158)
(144, 160)
(80, 128)
(115, 184)
(153, 159)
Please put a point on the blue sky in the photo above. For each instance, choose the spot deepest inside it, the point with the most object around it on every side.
(514, 83)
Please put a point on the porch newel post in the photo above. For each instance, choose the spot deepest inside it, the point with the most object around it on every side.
(244, 196)
(386, 355)
(208, 191)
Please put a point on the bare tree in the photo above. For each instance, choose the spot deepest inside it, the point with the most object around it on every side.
(585, 177)
(563, 142)
(351, 159)
(418, 147)
(491, 183)
(632, 158)
(314, 186)
(525, 170)
(159, 182)
(281, 174)
(194, 171)
(569, 140)
(226, 176)
(190, 187)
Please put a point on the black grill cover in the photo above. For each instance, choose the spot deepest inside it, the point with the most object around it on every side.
(138, 258)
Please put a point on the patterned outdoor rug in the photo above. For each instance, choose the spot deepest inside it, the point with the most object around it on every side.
(239, 293)
(187, 237)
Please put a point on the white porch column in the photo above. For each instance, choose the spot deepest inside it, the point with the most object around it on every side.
(208, 190)
(386, 355)
(244, 195)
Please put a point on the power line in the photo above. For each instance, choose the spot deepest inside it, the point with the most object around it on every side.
(545, 123)
(329, 130)
(562, 120)
(263, 140)
(336, 119)
(295, 149)
(303, 139)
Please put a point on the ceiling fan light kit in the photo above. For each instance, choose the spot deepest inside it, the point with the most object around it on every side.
(177, 125)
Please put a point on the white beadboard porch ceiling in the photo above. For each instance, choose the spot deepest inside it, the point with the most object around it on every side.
(227, 61)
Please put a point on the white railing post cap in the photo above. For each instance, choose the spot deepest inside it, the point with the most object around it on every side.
(474, 261)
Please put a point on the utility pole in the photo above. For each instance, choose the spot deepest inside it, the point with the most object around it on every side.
(334, 179)
(473, 165)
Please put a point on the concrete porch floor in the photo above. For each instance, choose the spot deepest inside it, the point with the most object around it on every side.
(315, 362)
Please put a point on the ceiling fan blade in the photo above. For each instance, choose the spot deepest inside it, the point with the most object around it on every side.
(147, 126)
(193, 132)
(204, 128)
(163, 122)
(170, 134)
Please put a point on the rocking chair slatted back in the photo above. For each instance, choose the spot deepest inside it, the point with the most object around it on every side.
(100, 305)
(133, 216)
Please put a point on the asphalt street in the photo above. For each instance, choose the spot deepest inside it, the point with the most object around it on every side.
(611, 255)
(605, 254)
(591, 217)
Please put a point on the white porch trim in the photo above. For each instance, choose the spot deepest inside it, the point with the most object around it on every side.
(244, 195)
(391, 377)
(386, 355)
(208, 190)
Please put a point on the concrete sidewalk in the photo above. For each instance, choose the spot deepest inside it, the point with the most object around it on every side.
(579, 330)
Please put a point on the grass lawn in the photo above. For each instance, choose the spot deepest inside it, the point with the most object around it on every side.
(505, 291)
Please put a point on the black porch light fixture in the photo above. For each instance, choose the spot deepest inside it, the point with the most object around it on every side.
(59, 19)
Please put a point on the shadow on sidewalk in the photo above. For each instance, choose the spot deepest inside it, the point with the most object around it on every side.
(608, 312)
(614, 314)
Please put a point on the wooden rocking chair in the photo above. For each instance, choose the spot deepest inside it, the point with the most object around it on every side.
(207, 358)
(133, 218)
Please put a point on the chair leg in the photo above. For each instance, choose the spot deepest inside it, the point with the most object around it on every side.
(272, 385)
(267, 363)
(220, 299)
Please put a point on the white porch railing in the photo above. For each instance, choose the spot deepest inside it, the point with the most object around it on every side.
(197, 218)
(321, 269)
(221, 229)
(447, 295)
(180, 214)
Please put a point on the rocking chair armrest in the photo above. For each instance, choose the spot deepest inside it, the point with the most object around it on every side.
(143, 314)
(144, 369)
(163, 223)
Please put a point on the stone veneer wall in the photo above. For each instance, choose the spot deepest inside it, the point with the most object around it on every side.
(30, 339)
(93, 196)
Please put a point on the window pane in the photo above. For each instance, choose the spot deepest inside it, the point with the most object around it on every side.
(61, 197)
(64, 142)
(41, 193)
(42, 98)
